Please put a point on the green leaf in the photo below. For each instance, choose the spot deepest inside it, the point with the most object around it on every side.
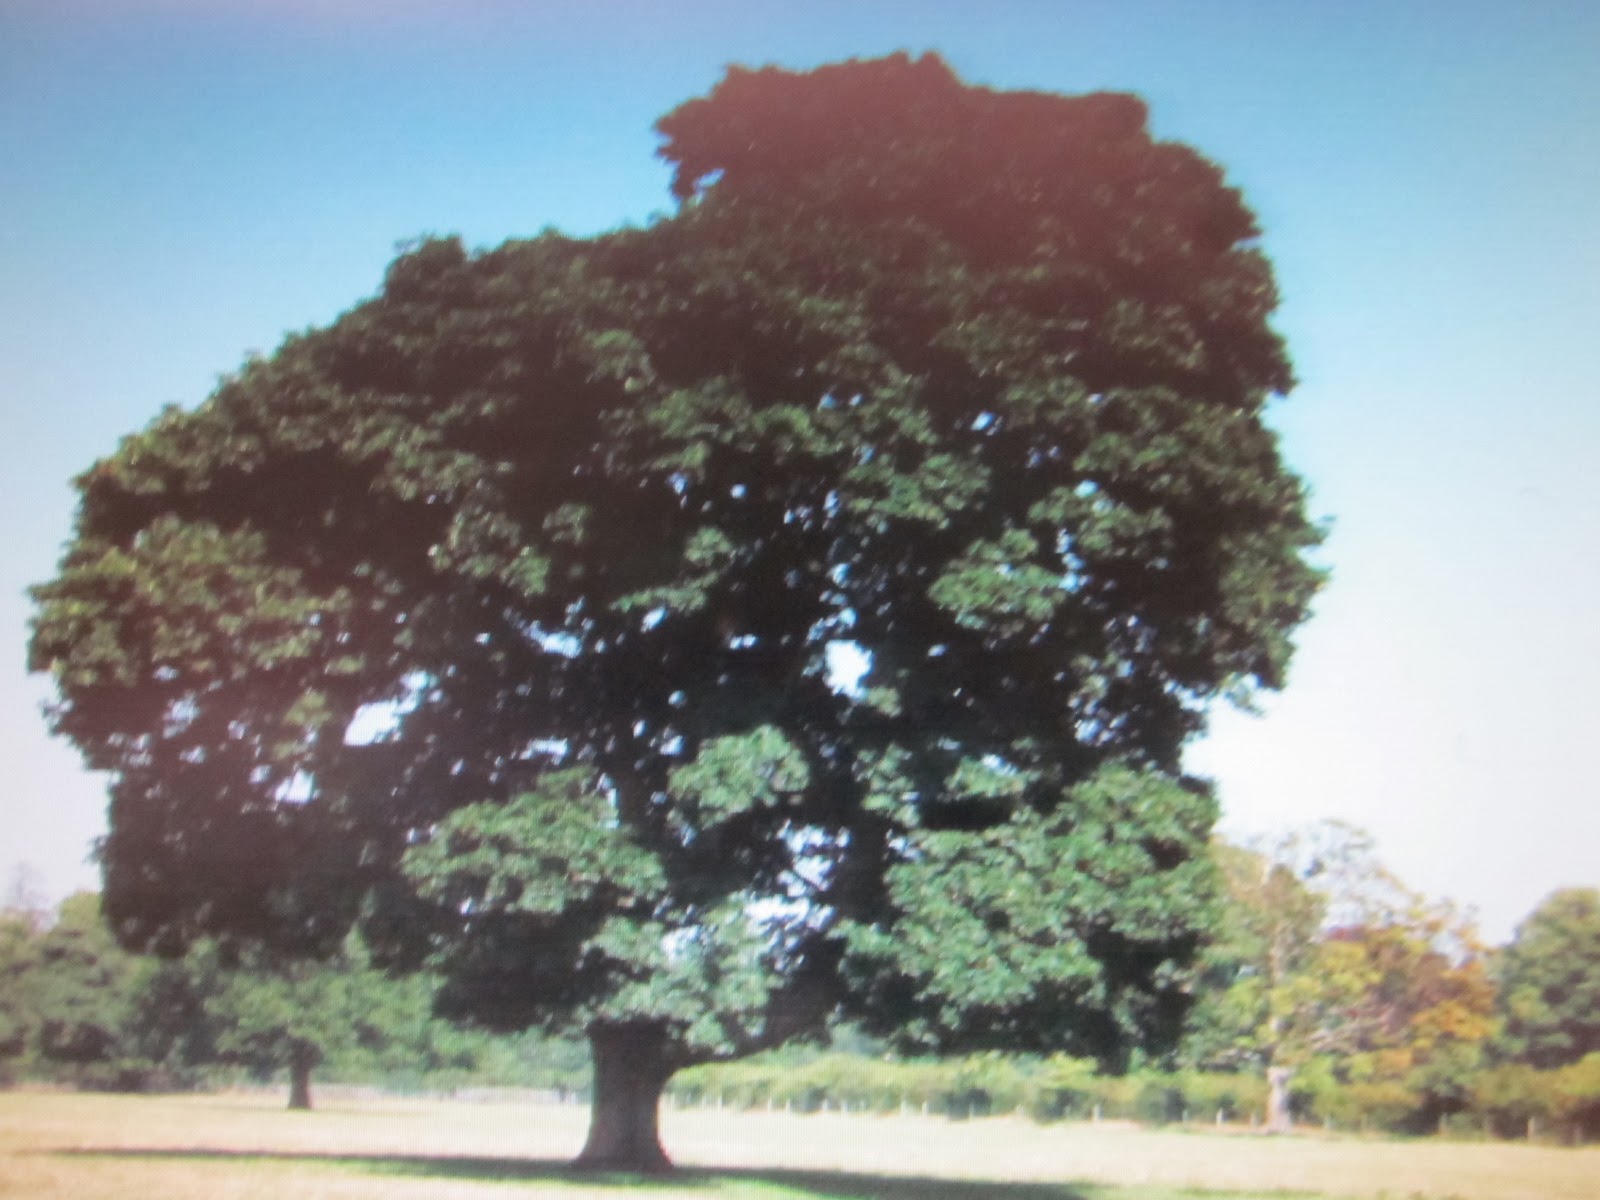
(738, 772)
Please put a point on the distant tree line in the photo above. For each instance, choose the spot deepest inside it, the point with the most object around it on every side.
(76, 1009)
(1330, 995)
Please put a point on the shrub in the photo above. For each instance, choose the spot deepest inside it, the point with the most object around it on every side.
(1382, 1104)
(1060, 1086)
(1512, 1099)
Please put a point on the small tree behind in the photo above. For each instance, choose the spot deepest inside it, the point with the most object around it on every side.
(294, 1016)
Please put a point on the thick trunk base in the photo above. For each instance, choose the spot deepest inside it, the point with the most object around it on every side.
(630, 1069)
(300, 1089)
(301, 1061)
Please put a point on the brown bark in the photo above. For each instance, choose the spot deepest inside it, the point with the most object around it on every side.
(302, 1058)
(631, 1065)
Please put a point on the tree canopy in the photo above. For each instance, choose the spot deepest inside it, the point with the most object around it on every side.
(1550, 981)
(796, 606)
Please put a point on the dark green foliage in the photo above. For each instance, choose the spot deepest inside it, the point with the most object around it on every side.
(19, 930)
(966, 383)
(293, 1016)
(171, 1029)
(1009, 924)
(79, 987)
(66, 996)
(1549, 982)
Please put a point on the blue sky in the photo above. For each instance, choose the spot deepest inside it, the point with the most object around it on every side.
(184, 182)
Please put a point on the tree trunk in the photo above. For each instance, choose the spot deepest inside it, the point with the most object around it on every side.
(1279, 1119)
(631, 1066)
(302, 1058)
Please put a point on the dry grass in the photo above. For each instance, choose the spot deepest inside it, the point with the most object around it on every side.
(244, 1147)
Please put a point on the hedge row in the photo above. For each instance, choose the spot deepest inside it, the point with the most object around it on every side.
(1509, 1101)
(978, 1085)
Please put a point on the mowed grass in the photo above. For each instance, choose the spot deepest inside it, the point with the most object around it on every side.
(55, 1146)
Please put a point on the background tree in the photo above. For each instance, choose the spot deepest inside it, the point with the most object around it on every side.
(293, 1016)
(81, 987)
(1252, 1011)
(24, 917)
(24, 894)
(1323, 952)
(64, 992)
(1416, 1007)
(1549, 982)
(19, 1010)
(955, 391)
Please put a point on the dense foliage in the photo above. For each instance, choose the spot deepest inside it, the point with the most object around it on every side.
(796, 607)
(1550, 981)
(65, 989)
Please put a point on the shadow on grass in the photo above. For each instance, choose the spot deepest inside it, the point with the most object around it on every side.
(798, 1184)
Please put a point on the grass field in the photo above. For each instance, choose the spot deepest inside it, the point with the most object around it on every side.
(56, 1146)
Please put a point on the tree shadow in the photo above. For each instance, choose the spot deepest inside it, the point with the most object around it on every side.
(838, 1185)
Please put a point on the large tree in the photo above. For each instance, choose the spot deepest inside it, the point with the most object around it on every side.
(1549, 981)
(795, 607)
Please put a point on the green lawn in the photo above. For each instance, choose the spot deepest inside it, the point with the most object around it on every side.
(56, 1146)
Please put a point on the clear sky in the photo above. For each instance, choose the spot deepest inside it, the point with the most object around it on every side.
(183, 181)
